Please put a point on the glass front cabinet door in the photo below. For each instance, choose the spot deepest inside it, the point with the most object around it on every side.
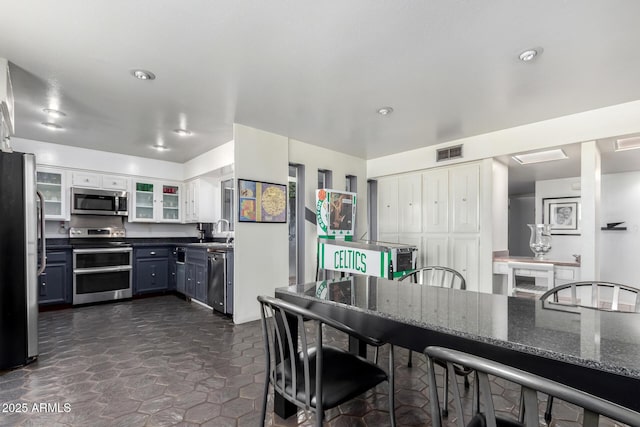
(52, 184)
(155, 202)
(171, 203)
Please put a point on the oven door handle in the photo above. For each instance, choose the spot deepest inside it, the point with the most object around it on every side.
(102, 250)
(102, 269)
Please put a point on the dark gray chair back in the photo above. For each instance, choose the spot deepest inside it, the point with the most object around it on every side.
(593, 407)
(600, 295)
(308, 373)
(435, 275)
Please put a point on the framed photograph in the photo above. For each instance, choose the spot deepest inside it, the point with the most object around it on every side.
(261, 201)
(563, 214)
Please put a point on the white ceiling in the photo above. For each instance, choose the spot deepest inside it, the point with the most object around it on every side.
(313, 71)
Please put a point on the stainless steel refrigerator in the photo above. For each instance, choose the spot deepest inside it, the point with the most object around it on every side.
(21, 250)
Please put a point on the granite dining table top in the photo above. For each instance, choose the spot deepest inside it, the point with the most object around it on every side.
(602, 340)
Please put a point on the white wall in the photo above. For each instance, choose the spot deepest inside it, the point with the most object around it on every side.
(94, 160)
(341, 165)
(562, 247)
(619, 249)
(261, 250)
(218, 158)
(595, 124)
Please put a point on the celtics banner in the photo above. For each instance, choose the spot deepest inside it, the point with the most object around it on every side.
(353, 260)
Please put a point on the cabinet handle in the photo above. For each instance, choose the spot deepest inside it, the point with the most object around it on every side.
(464, 199)
(410, 204)
(44, 284)
(152, 253)
(435, 203)
(153, 274)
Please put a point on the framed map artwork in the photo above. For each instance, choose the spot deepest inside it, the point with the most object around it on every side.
(261, 201)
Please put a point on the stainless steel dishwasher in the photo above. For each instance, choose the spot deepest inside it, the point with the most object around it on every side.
(220, 280)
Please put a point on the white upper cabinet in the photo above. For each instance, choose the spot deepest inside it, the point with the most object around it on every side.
(465, 189)
(97, 180)
(85, 179)
(435, 190)
(199, 200)
(52, 183)
(410, 203)
(388, 205)
(155, 201)
(115, 182)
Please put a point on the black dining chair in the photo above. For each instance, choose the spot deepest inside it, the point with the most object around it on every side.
(483, 411)
(593, 294)
(309, 373)
(443, 277)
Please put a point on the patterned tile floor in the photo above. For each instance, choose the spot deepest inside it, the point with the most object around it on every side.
(162, 361)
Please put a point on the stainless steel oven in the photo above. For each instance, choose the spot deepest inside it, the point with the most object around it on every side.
(102, 270)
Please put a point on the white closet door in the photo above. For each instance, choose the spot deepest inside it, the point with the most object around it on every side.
(464, 198)
(435, 201)
(410, 203)
(464, 258)
(387, 206)
(436, 250)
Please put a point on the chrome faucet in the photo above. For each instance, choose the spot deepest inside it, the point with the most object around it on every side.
(219, 227)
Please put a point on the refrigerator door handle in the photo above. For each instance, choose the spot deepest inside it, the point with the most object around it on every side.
(43, 244)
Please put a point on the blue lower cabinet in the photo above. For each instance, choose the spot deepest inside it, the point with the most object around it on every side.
(173, 278)
(190, 280)
(201, 283)
(196, 274)
(151, 270)
(54, 285)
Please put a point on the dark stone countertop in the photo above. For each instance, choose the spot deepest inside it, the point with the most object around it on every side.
(66, 243)
(602, 340)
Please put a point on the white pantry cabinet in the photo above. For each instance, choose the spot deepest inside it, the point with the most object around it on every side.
(399, 204)
(155, 201)
(435, 185)
(464, 188)
(410, 203)
(439, 211)
(388, 205)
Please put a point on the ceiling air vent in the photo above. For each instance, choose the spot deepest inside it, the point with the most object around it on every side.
(448, 153)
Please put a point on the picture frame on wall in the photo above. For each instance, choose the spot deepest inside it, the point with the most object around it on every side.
(262, 201)
(563, 214)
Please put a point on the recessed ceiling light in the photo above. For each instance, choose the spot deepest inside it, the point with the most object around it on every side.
(528, 55)
(54, 113)
(143, 74)
(627, 143)
(160, 147)
(182, 132)
(51, 126)
(385, 111)
(540, 156)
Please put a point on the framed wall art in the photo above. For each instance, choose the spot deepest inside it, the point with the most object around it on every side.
(563, 214)
(261, 201)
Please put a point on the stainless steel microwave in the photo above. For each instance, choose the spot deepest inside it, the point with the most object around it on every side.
(98, 202)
